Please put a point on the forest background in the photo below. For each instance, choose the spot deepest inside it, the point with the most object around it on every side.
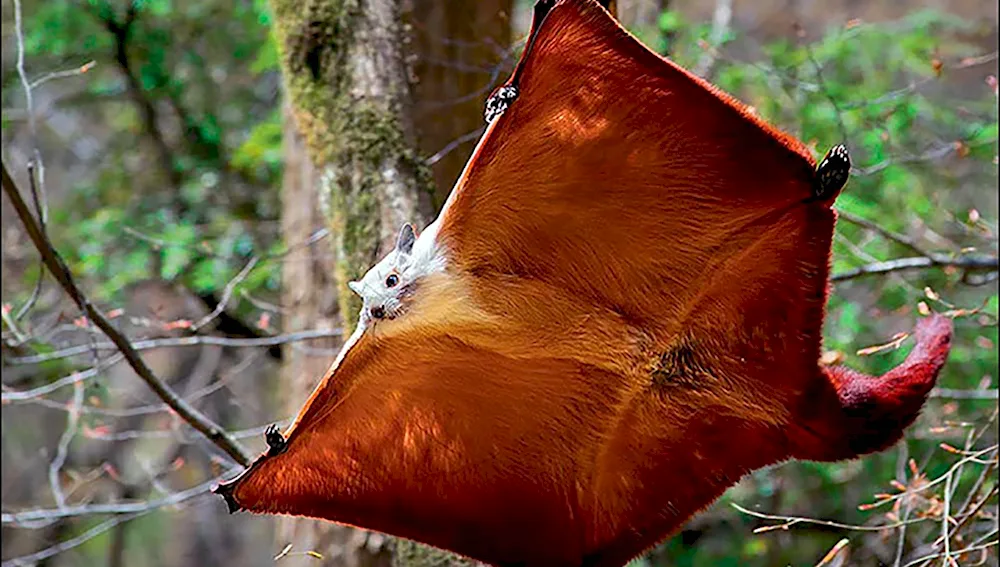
(210, 171)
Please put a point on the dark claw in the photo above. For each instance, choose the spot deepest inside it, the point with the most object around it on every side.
(275, 441)
(504, 96)
(832, 173)
(499, 102)
(225, 490)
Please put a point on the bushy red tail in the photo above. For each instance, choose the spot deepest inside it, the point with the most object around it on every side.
(851, 414)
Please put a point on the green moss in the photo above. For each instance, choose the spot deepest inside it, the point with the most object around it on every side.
(314, 38)
(367, 138)
(349, 140)
(406, 553)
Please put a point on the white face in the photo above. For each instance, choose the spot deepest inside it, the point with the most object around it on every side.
(387, 285)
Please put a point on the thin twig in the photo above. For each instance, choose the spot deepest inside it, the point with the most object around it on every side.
(901, 542)
(972, 513)
(19, 335)
(895, 237)
(826, 93)
(79, 70)
(789, 521)
(62, 449)
(36, 181)
(22, 74)
(962, 551)
(191, 397)
(834, 553)
(40, 517)
(248, 433)
(120, 32)
(919, 262)
(53, 550)
(945, 518)
(972, 457)
(929, 155)
(721, 17)
(22, 395)
(55, 264)
(227, 294)
(36, 291)
(197, 340)
(954, 394)
(468, 136)
(159, 243)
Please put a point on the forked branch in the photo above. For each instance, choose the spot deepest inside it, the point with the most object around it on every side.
(54, 263)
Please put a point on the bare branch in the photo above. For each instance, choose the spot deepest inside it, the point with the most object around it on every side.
(120, 32)
(58, 268)
(11, 323)
(930, 155)
(818, 69)
(454, 144)
(199, 340)
(37, 184)
(922, 262)
(954, 394)
(789, 521)
(227, 294)
(253, 432)
(35, 558)
(22, 395)
(64, 73)
(721, 18)
(40, 517)
(151, 408)
(951, 555)
(158, 243)
(62, 449)
(893, 236)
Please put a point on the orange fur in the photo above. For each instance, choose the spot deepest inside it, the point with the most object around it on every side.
(628, 323)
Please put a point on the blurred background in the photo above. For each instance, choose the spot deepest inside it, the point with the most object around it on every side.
(209, 170)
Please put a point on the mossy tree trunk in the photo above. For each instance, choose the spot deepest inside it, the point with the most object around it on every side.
(351, 165)
(347, 78)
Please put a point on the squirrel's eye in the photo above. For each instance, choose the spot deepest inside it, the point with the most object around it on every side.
(392, 280)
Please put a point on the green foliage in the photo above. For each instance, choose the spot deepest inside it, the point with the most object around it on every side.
(260, 154)
(191, 61)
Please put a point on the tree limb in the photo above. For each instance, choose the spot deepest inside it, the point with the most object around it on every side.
(197, 340)
(895, 237)
(120, 32)
(61, 272)
(721, 18)
(917, 262)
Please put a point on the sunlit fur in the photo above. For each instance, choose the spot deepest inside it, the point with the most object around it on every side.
(617, 315)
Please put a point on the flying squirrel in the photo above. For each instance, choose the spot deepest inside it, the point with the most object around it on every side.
(616, 316)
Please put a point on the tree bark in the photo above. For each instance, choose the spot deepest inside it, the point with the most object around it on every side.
(348, 82)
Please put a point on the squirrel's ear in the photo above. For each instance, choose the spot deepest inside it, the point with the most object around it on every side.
(406, 238)
(355, 287)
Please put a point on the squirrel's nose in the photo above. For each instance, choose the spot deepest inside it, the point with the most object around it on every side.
(377, 312)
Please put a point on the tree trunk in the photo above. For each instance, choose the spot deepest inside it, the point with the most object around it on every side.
(352, 166)
(462, 53)
(348, 82)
